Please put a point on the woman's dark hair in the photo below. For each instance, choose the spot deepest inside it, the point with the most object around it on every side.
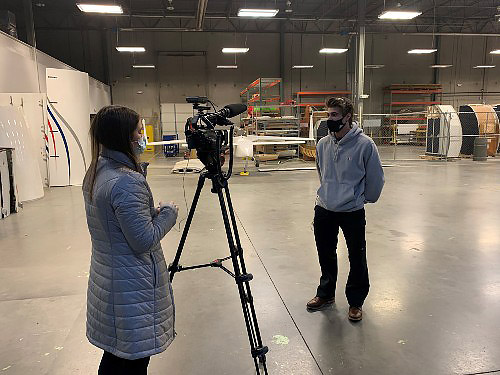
(111, 128)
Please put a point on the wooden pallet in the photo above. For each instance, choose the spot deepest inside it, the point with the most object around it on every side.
(436, 157)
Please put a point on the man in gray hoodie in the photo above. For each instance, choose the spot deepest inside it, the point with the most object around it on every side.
(351, 175)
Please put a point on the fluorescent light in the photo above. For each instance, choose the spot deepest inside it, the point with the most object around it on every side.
(495, 52)
(302, 66)
(257, 13)
(374, 66)
(420, 51)
(95, 8)
(440, 66)
(332, 50)
(130, 49)
(227, 66)
(235, 50)
(398, 15)
(483, 66)
(143, 66)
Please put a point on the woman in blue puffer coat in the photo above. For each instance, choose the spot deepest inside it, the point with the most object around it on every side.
(130, 305)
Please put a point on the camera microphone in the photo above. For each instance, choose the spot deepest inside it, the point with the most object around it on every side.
(232, 110)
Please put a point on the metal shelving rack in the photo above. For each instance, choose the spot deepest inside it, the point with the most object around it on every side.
(421, 96)
(263, 92)
(267, 116)
(275, 126)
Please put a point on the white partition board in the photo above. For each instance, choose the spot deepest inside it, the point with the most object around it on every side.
(174, 116)
(33, 107)
(14, 133)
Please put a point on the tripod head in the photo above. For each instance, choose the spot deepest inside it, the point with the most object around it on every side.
(211, 134)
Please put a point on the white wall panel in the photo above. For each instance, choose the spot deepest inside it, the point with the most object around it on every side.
(69, 118)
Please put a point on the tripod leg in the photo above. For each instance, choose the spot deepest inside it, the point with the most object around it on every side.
(257, 350)
(174, 266)
(243, 268)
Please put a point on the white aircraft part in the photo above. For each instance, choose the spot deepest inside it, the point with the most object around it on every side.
(188, 166)
(279, 143)
(274, 138)
(14, 133)
(286, 169)
(161, 143)
(450, 131)
(244, 147)
(455, 130)
(68, 126)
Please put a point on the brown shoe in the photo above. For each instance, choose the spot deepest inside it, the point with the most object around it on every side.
(317, 303)
(355, 314)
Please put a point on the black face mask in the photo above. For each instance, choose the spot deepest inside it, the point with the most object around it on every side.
(335, 125)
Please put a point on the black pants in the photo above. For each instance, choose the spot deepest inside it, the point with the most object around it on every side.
(326, 231)
(113, 365)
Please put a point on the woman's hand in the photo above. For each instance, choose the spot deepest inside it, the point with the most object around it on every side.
(171, 204)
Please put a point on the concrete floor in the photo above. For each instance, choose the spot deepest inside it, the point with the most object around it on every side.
(433, 254)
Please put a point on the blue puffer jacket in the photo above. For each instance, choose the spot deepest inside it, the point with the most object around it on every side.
(130, 305)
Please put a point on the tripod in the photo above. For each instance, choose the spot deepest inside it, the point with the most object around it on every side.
(219, 184)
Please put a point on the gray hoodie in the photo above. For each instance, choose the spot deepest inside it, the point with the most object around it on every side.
(349, 170)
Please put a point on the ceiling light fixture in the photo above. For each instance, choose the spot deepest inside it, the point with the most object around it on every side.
(333, 50)
(374, 66)
(131, 49)
(440, 66)
(495, 52)
(258, 13)
(143, 66)
(227, 66)
(302, 66)
(483, 66)
(398, 15)
(235, 50)
(422, 51)
(96, 8)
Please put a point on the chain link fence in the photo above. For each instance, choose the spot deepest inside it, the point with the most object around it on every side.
(439, 133)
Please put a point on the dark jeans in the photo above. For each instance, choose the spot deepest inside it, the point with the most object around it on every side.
(113, 365)
(326, 231)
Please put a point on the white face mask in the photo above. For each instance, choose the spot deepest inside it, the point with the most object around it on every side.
(139, 145)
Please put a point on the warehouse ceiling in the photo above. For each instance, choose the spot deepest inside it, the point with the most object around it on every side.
(301, 16)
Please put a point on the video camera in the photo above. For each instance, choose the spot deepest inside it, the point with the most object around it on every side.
(211, 133)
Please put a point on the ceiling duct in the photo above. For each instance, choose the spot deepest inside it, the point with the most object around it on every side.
(200, 14)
